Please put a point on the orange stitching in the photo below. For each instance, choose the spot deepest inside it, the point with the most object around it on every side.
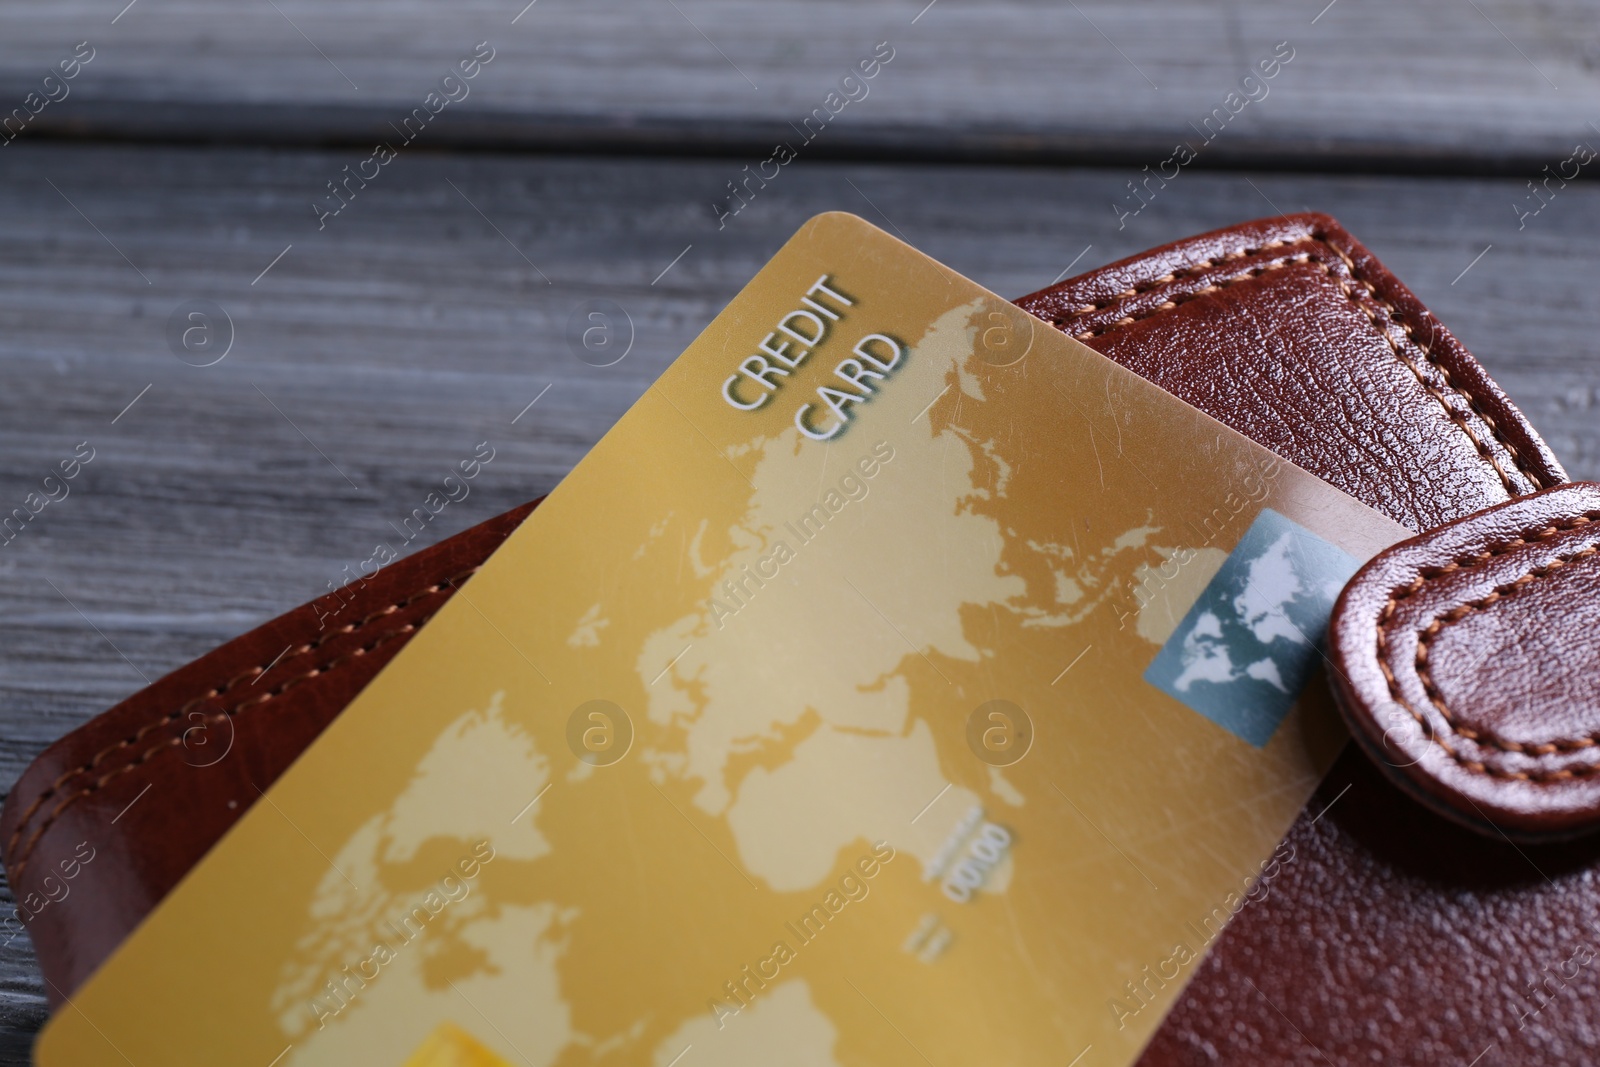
(1393, 317)
(217, 691)
(1184, 298)
(1462, 611)
(148, 753)
(1193, 268)
(1437, 624)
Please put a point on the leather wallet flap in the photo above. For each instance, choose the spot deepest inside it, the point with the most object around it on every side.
(1467, 662)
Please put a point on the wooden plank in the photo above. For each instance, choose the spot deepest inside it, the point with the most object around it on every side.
(428, 314)
(1493, 85)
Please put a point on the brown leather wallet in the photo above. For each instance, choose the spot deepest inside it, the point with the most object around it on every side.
(1390, 934)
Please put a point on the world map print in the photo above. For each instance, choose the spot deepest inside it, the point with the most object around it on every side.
(1246, 649)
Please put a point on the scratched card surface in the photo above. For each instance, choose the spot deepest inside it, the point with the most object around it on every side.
(899, 681)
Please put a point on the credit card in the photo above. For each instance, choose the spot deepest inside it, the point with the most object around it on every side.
(899, 681)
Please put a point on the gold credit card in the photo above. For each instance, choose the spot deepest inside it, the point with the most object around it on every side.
(899, 681)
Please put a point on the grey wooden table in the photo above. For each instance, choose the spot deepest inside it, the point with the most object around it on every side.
(182, 162)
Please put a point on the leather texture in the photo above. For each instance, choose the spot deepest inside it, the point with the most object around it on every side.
(1292, 333)
(1467, 663)
(1392, 935)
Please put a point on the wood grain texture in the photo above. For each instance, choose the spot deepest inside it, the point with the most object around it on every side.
(433, 309)
(1493, 84)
